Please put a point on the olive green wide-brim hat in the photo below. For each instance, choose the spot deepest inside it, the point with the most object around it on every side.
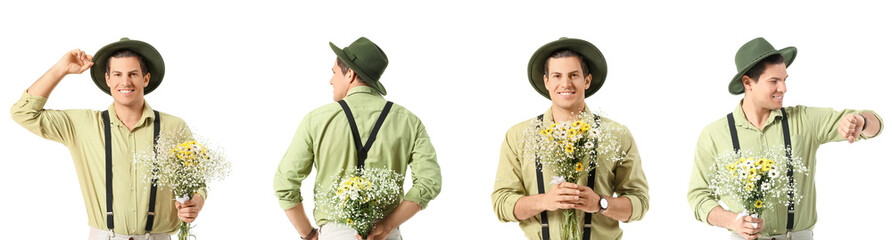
(366, 59)
(750, 54)
(597, 65)
(150, 56)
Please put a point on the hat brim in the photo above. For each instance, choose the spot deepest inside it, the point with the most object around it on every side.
(372, 82)
(597, 65)
(150, 55)
(735, 87)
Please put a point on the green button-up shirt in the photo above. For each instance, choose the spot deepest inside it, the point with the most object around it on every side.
(809, 128)
(324, 141)
(82, 132)
(516, 177)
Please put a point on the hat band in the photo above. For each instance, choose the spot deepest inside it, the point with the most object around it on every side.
(350, 54)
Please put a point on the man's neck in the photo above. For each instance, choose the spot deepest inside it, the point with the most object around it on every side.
(559, 114)
(129, 115)
(754, 114)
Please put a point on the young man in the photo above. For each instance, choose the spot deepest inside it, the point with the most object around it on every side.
(324, 141)
(759, 121)
(567, 71)
(102, 142)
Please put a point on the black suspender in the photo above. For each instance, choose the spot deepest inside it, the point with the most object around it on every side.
(544, 214)
(363, 150)
(110, 216)
(789, 149)
(587, 228)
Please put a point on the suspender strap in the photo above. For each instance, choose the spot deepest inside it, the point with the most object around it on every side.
(541, 185)
(109, 214)
(150, 219)
(587, 228)
(789, 149)
(734, 141)
(363, 150)
(109, 200)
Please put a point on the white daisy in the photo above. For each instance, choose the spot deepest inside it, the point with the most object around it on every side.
(589, 145)
(765, 186)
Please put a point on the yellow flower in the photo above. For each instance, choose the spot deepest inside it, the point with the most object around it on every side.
(750, 186)
(349, 221)
(758, 204)
(569, 148)
(731, 167)
(584, 128)
(571, 132)
(552, 126)
(543, 132)
(579, 167)
(766, 167)
(752, 172)
(760, 161)
(577, 124)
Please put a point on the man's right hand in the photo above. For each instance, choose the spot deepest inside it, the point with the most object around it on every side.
(75, 61)
(560, 197)
(744, 227)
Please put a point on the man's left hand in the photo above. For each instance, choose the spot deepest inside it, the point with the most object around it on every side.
(188, 210)
(588, 199)
(850, 127)
(381, 230)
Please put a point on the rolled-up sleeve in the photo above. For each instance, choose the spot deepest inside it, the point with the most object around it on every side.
(826, 122)
(700, 197)
(426, 179)
(53, 125)
(294, 167)
(630, 179)
(508, 186)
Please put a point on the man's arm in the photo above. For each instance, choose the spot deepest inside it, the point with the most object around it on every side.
(630, 185)
(299, 220)
(74, 62)
(293, 169)
(853, 126)
(403, 212)
(743, 226)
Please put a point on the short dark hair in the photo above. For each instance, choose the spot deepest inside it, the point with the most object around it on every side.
(344, 69)
(567, 53)
(127, 53)
(756, 71)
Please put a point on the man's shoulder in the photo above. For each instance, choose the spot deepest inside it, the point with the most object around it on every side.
(168, 119)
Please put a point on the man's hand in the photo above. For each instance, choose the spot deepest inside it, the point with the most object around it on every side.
(744, 227)
(188, 210)
(589, 201)
(75, 61)
(381, 230)
(562, 196)
(850, 127)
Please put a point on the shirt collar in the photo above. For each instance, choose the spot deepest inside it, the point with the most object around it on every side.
(148, 114)
(362, 90)
(740, 118)
(548, 119)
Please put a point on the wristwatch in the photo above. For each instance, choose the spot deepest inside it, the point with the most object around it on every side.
(603, 204)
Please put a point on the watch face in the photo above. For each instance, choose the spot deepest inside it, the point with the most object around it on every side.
(603, 203)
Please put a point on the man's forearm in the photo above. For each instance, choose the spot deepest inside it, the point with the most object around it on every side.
(402, 213)
(618, 208)
(721, 217)
(46, 83)
(299, 220)
(873, 124)
(527, 207)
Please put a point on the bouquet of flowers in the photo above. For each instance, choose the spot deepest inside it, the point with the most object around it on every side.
(362, 197)
(183, 164)
(755, 180)
(563, 148)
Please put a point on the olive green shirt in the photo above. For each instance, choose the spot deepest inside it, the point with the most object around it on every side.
(82, 132)
(516, 177)
(809, 128)
(323, 140)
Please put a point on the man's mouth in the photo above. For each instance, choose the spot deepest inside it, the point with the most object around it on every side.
(566, 93)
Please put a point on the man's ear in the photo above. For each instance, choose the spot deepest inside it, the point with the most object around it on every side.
(588, 81)
(146, 79)
(747, 82)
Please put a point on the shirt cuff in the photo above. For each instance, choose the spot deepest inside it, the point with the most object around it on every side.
(637, 208)
(704, 210)
(29, 101)
(506, 209)
(288, 204)
(417, 197)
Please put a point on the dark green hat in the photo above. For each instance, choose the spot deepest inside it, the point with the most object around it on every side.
(597, 65)
(366, 59)
(150, 56)
(750, 54)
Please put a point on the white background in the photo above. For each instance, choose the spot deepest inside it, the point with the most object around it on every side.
(245, 74)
